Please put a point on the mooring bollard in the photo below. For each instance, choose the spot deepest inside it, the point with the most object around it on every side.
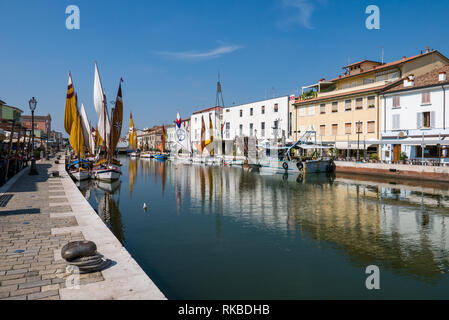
(55, 174)
(84, 256)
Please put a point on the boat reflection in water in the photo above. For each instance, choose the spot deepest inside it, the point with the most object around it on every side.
(101, 196)
(227, 233)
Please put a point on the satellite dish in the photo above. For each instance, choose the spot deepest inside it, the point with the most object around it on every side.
(401, 134)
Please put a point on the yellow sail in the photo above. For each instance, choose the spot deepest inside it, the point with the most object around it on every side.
(76, 135)
(70, 106)
(98, 139)
(132, 133)
(208, 142)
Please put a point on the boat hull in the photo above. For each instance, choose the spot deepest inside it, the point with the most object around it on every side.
(107, 174)
(80, 175)
(291, 167)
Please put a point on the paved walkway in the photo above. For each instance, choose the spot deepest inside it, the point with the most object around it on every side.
(38, 216)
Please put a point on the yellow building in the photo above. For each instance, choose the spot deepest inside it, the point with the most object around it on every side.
(346, 108)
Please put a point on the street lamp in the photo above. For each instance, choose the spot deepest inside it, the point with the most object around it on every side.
(33, 170)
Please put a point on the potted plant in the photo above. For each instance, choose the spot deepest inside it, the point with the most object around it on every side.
(403, 157)
(374, 157)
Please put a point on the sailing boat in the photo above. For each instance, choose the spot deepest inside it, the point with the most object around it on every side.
(79, 169)
(182, 140)
(72, 124)
(133, 137)
(107, 169)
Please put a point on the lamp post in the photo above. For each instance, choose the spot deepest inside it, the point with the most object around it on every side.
(33, 170)
(359, 123)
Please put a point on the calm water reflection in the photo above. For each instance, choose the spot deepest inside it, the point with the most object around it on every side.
(225, 233)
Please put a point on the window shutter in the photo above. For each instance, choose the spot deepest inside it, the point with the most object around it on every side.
(396, 121)
(419, 120)
(432, 119)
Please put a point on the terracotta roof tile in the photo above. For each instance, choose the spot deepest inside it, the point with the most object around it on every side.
(426, 80)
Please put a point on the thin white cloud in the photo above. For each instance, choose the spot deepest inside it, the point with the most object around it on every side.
(304, 11)
(195, 55)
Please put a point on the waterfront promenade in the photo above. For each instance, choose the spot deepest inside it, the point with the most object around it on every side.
(38, 216)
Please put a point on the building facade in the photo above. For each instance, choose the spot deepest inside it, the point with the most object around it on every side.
(42, 125)
(346, 109)
(216, 114)
(415, 118)
(266, 120)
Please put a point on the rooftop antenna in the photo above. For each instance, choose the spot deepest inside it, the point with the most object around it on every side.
(219, 94)
(383, 55)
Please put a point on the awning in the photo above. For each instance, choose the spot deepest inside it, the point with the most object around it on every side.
(353, 145)
(417, 141)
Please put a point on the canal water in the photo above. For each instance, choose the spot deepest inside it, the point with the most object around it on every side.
(226, 233)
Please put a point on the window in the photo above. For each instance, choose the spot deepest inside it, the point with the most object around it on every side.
(251, 111)
(359, 127)
(359, 103)
(371, 126)
(227, 110)
(335, 129)
(426, 120)
(241, 129)
(302, 111)
(251, 129)
(323, 130)
(334, 106)
(323, 108)
(276, 124)
(290, 122)
(276, 107)
(348, 128)
(228, 128)
(241, 113)
(425, 98)
(345, 85)
(263, 109)
(371, 102)
(396, 102)
(396, 122)
(348, 105)
(262, 129)
(381, 78)
(368, 81)
(394, 75)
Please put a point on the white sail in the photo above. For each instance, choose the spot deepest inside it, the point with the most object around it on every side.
(104, 125)
(182, 135)
(87, 131)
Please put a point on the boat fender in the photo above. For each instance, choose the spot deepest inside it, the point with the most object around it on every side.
(300, 166)
(285, 166)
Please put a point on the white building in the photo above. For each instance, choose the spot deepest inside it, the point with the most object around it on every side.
(265, 120)
(170, 143)
(415, 117)
(195, 126)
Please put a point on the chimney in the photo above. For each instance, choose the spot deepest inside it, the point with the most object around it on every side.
(427, 49)
(442, 76)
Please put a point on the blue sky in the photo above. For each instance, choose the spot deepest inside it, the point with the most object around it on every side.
(169, 52)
